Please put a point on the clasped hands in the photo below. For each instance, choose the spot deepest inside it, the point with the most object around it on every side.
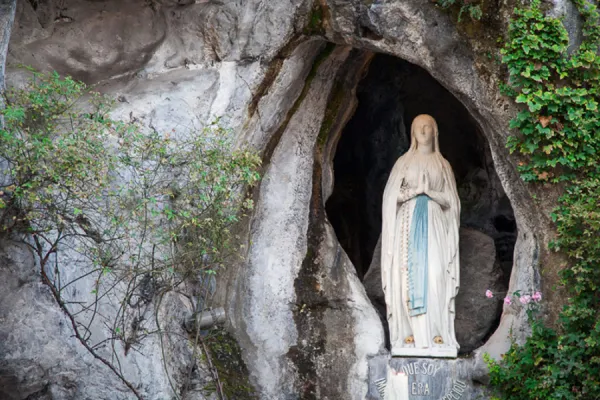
(423, 185)
(424, 188)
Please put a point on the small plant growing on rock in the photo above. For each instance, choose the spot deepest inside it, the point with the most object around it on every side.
(470, 7)
(530, 301)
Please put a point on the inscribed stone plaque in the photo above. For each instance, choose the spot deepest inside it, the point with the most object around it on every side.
(428, 378)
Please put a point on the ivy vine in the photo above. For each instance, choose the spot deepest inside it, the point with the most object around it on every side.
(558, 133)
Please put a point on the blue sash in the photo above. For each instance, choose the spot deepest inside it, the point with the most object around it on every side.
(417, 258)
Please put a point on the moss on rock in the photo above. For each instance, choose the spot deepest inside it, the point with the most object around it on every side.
(226, 357)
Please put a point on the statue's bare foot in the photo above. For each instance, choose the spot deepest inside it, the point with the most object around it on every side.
(438, 340)
(410, 339)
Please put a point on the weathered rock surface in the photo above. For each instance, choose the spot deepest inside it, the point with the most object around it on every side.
(41, 359)
(296, 306)
(323, 318)
(7, 16)
(477, 315)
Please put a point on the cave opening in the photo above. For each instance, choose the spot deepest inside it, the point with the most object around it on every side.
(390, 95)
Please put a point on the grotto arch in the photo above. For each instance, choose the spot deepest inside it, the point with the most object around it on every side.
(393, 92)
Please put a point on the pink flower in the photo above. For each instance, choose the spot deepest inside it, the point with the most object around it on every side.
(489, 294)
(537, 296)
(507, 300)
(525, 299)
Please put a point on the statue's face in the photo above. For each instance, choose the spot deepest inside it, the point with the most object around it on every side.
(424, 135)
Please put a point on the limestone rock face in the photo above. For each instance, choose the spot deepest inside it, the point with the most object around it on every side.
(172, 66)
(315, 319)
(294, 303)
(41, 359)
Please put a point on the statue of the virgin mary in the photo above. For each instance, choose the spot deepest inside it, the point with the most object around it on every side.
(419, 248)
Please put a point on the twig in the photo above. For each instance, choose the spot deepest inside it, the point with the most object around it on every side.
(98, 357)
(213, 369)
(162, 345)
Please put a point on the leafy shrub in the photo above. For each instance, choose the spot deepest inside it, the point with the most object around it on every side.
(558, 133)
(139, 213)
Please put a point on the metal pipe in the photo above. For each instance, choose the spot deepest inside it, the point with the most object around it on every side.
(205, 319)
